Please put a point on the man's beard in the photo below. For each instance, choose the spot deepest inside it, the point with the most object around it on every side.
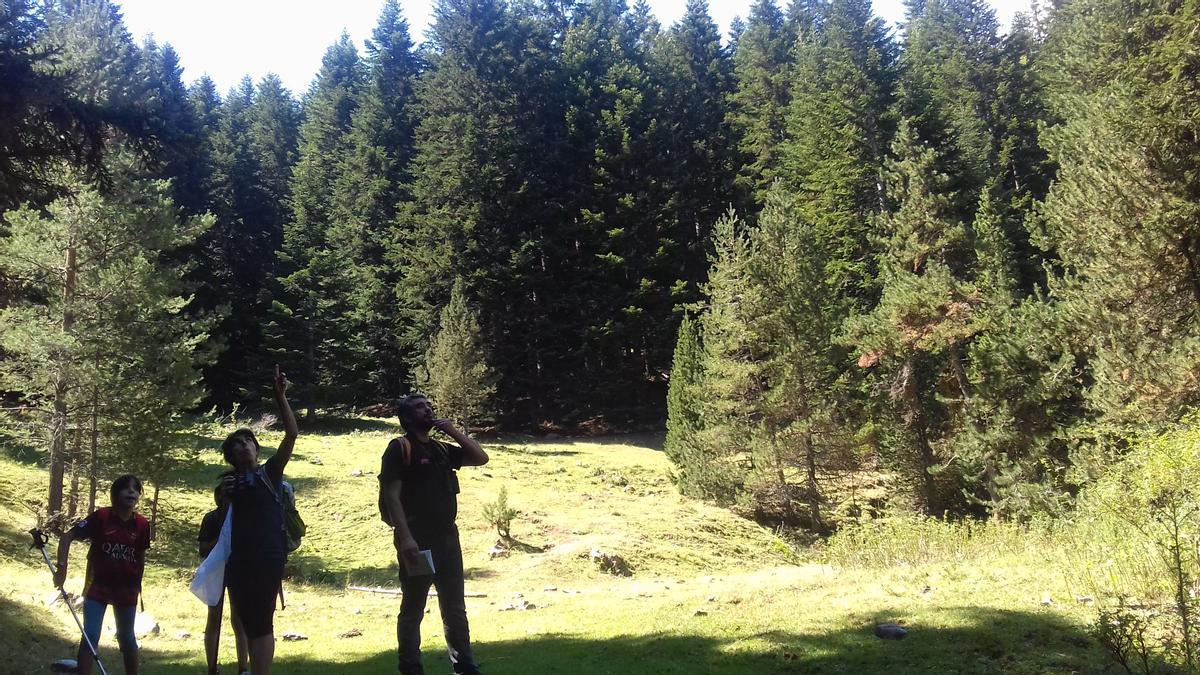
(420, 425)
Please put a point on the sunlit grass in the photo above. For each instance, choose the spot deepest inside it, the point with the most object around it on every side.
(709, 593)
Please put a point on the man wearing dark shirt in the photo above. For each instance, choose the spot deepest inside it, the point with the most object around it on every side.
(419, 488)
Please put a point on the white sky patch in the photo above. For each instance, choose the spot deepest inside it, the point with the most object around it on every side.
(229, 39)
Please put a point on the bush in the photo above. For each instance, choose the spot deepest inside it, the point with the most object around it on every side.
(1137, 543)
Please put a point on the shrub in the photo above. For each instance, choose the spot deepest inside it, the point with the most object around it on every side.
(500, 514)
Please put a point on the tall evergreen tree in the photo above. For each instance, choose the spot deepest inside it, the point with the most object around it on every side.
(839, 127)
(914, 337)
(758, 105)
(455, 373)
(950, 61)
(310, 329)
(484, 207)
(611, 237)
(373, 181)
(695, 167)
(732, 370)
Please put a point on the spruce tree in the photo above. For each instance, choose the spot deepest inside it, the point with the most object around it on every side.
(310, 330)
(758, 104)
(455, 372)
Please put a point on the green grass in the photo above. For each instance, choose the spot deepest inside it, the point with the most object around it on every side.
(762, 609)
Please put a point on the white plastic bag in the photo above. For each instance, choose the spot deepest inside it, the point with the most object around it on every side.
(209, 584)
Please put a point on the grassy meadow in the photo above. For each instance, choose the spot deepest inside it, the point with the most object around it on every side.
(710, 592)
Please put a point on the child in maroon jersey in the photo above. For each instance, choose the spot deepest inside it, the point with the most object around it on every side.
(116, 560)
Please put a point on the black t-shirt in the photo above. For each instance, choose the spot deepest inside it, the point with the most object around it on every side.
(210, 529)
(257, 532)
(428, 483)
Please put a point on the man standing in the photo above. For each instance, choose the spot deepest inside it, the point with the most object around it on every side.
(419, 490)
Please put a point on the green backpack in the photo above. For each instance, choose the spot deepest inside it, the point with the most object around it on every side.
(293, 525)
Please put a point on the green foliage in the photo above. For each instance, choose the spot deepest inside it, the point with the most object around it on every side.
(500, 515)
(1143, 520)
(685, 415)
(455, 373)
(1122, 212)
(101, 334)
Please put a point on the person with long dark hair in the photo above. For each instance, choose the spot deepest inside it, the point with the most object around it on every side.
(258, 546)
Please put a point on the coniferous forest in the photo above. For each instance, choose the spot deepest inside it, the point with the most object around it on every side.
(944, 264)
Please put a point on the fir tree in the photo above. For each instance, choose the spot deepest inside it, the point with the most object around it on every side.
(455, 373)
(758, 105)
(839, 126)
(373, 181)
(310, 327)
(685, 412)
(733, 381)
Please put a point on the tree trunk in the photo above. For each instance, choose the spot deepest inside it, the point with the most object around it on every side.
(76, 469)
(154, 512)
(62, 386)
(94, 460)
(814, 492)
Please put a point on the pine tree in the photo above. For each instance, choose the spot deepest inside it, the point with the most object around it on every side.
(456, 374)
(1121, 213)
(913, 339)
(102, 330)
(808, 404)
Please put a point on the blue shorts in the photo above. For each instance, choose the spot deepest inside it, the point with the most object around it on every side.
(93, 619)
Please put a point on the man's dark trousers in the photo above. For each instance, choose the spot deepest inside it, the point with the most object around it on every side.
(448, 580)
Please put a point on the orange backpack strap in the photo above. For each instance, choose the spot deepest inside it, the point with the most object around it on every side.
(405, 451)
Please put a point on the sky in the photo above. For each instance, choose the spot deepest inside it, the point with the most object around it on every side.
(228, 39)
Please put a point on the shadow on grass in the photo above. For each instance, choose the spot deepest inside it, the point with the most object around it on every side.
(346, 425)
(18, 448)
(982, 641)
(31, 635)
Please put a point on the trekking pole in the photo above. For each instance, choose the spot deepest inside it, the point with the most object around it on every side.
(40, 539)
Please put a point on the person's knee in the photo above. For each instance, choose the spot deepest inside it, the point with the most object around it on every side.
(127, 641)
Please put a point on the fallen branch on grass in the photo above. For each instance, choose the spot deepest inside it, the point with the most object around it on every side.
(397, 591)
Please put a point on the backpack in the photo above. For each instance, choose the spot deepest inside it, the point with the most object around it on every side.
(293, 525)
(406, 454)
(406, 460)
